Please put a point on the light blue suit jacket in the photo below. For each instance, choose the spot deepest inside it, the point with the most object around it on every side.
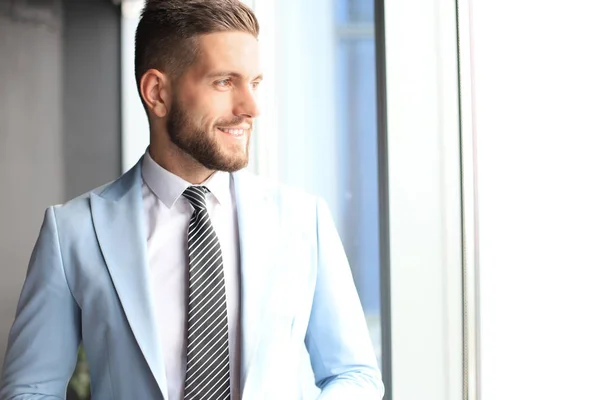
(88, 281)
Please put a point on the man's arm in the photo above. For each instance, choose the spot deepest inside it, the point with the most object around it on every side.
(43, 341)
(337, 339)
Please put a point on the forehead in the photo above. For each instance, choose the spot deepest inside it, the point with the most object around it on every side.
(236, 52)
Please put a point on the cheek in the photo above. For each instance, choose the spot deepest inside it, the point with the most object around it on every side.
(206, 108)
(197, 102)
(216, 106)
(199, 117)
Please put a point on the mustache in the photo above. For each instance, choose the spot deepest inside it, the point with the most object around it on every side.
(226, 123)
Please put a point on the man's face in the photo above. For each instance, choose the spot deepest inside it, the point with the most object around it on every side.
(214, 104)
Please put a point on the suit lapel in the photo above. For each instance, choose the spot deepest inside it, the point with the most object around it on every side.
(258, 238)
(120, 228)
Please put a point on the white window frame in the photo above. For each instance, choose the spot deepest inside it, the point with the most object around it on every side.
(425, 197)
(471, 323)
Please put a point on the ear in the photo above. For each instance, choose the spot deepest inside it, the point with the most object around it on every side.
(156, 92)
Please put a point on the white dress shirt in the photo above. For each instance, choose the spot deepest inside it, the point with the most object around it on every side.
(168, 215)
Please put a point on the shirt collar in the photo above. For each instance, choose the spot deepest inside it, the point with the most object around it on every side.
(168, 187)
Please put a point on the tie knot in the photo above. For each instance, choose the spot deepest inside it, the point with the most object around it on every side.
(197, 196)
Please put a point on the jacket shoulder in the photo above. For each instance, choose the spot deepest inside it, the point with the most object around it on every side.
(278, 191)
(79, 204)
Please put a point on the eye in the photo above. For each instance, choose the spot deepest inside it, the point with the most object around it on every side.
(254, 85)
(223, 83)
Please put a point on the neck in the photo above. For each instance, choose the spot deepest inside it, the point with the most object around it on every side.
(178, 162)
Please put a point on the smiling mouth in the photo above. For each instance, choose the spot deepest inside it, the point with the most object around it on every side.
(236, 132)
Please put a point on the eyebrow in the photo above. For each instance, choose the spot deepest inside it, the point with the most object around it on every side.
(232, 74)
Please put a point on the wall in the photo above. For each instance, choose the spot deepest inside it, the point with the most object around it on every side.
(92, 140)
(31, 151)
(59, 120)
(537, 95)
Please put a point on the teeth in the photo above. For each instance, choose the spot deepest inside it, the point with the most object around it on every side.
(236, 132)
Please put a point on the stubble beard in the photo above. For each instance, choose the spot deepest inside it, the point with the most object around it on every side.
(198, 143)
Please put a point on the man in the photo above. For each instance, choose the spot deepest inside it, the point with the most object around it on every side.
(188, 278)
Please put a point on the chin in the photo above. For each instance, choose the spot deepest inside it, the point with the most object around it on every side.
(234, 162)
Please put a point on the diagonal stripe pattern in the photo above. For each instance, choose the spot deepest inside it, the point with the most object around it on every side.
(207, 369)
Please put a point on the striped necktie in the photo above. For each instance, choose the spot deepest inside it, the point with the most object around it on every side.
(207, 368)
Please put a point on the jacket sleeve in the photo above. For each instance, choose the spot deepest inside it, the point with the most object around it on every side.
(337, 339)
(43, 341)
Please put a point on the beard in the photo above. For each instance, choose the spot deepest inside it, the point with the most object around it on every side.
(201, 142)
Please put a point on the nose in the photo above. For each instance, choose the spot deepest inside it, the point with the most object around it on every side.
(246, 104)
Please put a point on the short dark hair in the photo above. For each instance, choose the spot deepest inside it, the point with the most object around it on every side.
(165, 35)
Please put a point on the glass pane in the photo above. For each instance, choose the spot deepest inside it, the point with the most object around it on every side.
(326, 115)
(354, 11)
(357, 129)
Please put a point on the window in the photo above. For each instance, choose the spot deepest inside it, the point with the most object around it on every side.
(318, 129)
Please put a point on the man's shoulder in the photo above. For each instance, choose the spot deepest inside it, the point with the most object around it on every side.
(112, 190)
(79, 207)
(275, 190)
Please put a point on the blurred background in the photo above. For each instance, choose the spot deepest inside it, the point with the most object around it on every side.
(60, 133)
(456, 143)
